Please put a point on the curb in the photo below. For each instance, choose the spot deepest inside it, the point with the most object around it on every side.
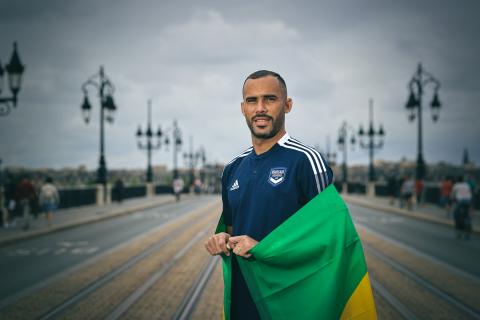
(411, 214)
(91, 219)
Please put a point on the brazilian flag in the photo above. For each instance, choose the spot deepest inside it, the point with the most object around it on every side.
(310, 267)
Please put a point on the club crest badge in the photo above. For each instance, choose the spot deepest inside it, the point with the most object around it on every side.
(277, 176)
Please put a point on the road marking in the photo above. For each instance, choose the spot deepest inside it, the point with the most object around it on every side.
(60, 251)
(64, 247)
(41, 252)
(382, 220)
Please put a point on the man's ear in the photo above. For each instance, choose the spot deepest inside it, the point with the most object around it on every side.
(288, 105)
(241, 108)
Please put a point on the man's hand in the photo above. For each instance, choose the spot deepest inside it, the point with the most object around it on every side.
(217, 244)
(241, 245)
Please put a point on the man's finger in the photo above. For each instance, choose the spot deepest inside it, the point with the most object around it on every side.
(233, 241)
(222, 246)
(211, 245)
(216, 246)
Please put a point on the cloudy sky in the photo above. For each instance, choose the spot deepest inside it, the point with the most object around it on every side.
(191, 57)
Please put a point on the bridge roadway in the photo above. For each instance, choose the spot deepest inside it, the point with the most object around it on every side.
(151, 265)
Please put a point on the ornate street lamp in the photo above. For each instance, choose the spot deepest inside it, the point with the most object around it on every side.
(105, 90)
(177, 144)
(372, 144)
(149, 146)
(330, 156)
(193, 158)
(343, 140)
(15, 70)
(414, 107)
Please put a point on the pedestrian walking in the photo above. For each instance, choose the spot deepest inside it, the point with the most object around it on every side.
(392, 189)
(462, 197)
(446, 187)
(178, 186)
(282, 218)
(419, 186)
(474, 189)
(10, 202)
(49, 199)
(118, 190)
(26, 195)
(3, 207)
(407, 192)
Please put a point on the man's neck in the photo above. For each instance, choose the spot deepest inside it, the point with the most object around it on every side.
(263, 145)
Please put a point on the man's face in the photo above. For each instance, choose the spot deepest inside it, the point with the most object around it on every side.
(264, 106)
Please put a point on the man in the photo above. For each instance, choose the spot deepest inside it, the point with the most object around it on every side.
(178, 186)
(462, 196)
(26, 194)
(407, 191)
(267, 183)
(49, 199)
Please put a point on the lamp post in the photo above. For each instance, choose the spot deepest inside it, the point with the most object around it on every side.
(343, 141)
(149, 146)
(331, 155)
(372, 144)
(105, 89)
(14, 70)
(192, 158)
(416, 86)
(177, 144)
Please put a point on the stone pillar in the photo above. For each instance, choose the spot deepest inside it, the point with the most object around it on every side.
(150, 189)
(345, 188)
(100, 198)
(371, 189)
(109, 194)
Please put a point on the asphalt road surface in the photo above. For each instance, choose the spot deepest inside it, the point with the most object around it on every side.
(29, 264)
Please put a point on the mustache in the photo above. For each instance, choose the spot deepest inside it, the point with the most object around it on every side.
(262, 116)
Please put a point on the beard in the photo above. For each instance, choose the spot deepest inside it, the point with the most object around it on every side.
(277, 124)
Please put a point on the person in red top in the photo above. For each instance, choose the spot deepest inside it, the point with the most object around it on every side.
(419, 190)
(26, 195)
(445, 195)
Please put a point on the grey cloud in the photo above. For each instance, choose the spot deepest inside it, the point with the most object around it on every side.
(191, 59)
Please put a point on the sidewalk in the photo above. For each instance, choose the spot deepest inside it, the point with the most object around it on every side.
(71, 217)
(423, 211)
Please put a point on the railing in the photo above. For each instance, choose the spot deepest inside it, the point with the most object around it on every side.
(77, 197)
(87, 196)
(162, 189)
(431, 191)
(129, 192)
(357, 187)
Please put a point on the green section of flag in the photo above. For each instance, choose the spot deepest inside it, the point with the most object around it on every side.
(308, 267)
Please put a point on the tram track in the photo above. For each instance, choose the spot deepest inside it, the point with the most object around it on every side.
(399, 307)
(424, 283)
(57, 310)
(154, 278)
(200, 218)
(186, 309)
(397, 269)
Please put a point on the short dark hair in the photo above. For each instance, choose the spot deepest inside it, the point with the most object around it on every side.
(265, 73)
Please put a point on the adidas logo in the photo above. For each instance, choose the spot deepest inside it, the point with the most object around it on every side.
(235, 186)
